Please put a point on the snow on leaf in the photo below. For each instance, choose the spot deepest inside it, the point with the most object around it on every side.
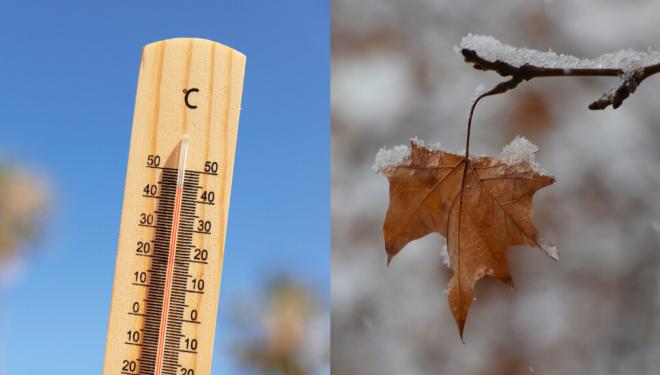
(445, 256)
(521, 150)
(481, 205)
(386, 158)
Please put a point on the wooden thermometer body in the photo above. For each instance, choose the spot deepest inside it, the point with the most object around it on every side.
(178, 184)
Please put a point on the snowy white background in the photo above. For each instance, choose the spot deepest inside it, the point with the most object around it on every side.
(395, 76)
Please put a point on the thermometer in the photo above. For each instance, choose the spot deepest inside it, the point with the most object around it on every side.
(174, 216)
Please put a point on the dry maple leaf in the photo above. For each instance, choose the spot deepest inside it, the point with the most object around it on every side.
(481, 205)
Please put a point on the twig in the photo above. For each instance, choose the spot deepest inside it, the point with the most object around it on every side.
(629, 80)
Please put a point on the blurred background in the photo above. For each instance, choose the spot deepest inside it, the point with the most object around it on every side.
(69, 75)
(395, 76)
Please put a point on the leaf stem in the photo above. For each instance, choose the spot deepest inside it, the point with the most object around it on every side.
(469, 126)
(498, 89)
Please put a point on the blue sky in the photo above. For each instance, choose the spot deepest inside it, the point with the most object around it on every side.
(69, 72)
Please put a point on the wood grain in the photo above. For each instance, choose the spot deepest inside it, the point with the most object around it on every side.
(212, 76)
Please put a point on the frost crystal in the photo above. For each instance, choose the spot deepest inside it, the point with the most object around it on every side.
(445, 256)
(519, 150)
(420, 142)
(386, 158)
(492, 50)
(549, 249)
(478, 91)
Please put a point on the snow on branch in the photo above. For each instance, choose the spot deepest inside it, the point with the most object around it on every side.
(522, 64)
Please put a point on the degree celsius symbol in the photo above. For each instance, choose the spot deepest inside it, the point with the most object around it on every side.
(186, 97)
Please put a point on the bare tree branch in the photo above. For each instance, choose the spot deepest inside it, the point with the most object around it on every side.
(629, 80)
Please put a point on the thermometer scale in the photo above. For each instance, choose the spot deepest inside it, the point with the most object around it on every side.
(176, 200)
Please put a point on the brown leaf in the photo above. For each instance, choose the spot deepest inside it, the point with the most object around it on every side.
(481, 205)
